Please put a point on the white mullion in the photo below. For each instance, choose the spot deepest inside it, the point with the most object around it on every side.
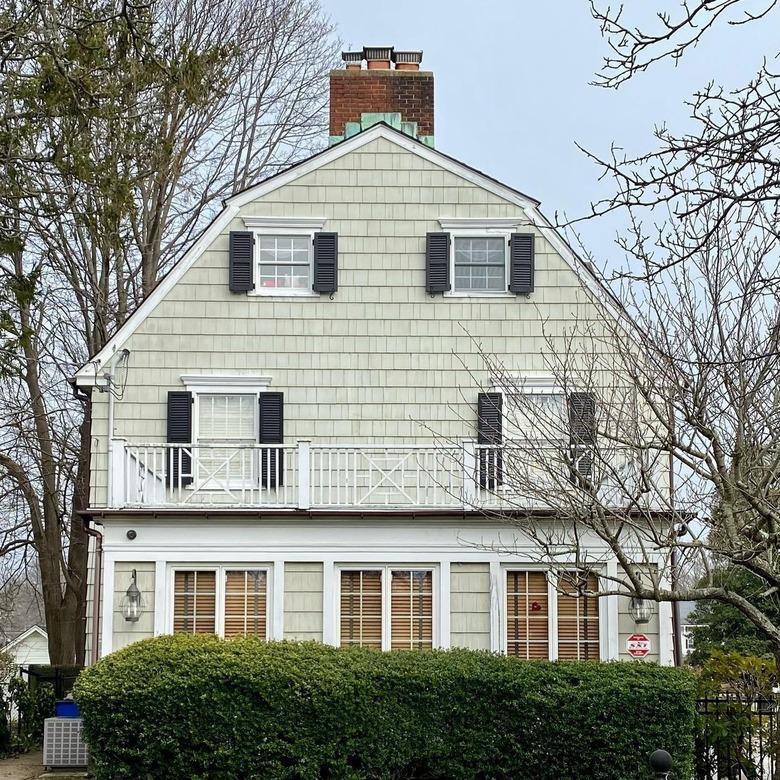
(387, 574)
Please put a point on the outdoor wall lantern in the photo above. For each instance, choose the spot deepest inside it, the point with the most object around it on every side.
(132, 603)
(640, 609)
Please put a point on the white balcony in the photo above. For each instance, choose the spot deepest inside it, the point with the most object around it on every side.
(327, 476)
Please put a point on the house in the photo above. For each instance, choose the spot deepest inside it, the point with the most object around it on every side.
(29, 647)
(292, 436)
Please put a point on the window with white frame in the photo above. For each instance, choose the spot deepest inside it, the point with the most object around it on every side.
(387, 608)
(226, 419)
(284, 264)
(224, 600)
(533, 605)
(479, 264)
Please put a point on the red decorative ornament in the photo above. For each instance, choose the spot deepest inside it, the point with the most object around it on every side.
(536, 606)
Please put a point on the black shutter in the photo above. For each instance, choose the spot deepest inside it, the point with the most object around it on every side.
(326, 262)
(178, 461)
(490, 432)
(241, 261)
(437, 262)
(271, 432)
(521, 263)
(582, 435)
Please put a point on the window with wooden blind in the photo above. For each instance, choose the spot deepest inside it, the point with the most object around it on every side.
(225, 600)
(527, 614)
(361, 609)
(578, 617)
(387, 608)
(411, 611)
(245, 603)
(195, 602)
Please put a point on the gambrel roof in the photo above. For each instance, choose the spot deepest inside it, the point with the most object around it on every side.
(87, 374)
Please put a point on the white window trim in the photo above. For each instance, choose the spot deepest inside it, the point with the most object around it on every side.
(282, 230)
(552, 609)
(480, 233)
(387, 569)
(221, 569)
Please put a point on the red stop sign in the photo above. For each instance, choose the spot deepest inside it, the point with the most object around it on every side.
(638, 645)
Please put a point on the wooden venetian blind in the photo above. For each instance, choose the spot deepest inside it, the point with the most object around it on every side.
(194, 602)
(578, 617)
(245, 603)
(527, 614)
(411, 610)
(361, 609)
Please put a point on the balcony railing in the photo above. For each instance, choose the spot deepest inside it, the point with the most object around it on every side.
(323, 476)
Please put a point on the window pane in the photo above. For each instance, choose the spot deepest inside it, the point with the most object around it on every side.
(226, 418)
(284, 263)
(194, 602)
(578, 617)
(411, 610)
(245, 603)
(480, 264)
(527, 614)
(361, 609)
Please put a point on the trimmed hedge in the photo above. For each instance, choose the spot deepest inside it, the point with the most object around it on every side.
(199, 707)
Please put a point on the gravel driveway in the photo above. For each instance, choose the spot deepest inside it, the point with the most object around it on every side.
(26, 767)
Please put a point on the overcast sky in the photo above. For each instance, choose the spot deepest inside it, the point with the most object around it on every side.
(513, 95)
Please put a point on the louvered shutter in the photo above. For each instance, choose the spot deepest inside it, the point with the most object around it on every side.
(490, 432)
(582, 435)
(271, 432)
(437, 262)
(241, 261)
(326, 262)
(521, 263)
(178, 461)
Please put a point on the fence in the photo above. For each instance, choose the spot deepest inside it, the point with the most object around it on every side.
(737, 738)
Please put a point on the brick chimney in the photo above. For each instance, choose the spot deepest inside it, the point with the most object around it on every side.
(391, 88)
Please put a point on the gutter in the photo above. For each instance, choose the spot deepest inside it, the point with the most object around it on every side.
(97, 587)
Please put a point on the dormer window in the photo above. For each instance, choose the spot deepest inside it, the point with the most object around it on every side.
(480, 264)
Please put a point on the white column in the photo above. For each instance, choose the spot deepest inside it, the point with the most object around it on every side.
(469, 471)
(107, 605)
(116, 473)
(613, 631)
(329, 633)
(665, 649)
(552, 611)
(277, 622)
(496, 605)
(444, 605)
(304, 473)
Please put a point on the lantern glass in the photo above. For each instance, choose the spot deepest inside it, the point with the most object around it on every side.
(132, 603)
(641, 610)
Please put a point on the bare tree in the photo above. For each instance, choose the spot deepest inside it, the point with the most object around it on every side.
(669, 448)
(125, 125)
(730, 157)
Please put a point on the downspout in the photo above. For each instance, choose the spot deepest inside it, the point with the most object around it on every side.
(109, 440)
(97, 588)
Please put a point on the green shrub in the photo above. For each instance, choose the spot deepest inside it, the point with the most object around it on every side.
(200, 707)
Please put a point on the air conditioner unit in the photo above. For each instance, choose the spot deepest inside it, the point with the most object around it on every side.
(62, 743)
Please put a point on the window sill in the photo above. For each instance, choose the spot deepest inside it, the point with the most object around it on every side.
(464, 294)
(285, 294)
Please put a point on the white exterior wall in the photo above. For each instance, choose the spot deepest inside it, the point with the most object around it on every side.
(380, 361)
(307, 554)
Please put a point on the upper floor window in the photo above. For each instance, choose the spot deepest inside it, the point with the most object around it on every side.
(224, 420)
(480, 264)
(284, 264)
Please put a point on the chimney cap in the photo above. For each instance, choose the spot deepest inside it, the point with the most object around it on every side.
(352, 56)
(413, 57)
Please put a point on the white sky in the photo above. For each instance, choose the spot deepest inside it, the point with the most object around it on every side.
(513, 94)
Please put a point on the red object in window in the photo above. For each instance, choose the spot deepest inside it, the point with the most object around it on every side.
(269, 283)
(536, 606)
